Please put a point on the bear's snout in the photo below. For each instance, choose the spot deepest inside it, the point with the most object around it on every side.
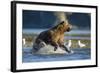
(69, 28)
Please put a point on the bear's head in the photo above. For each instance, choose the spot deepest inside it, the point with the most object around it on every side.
(63, 26)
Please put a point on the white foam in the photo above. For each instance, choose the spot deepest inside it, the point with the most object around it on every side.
(50, 50)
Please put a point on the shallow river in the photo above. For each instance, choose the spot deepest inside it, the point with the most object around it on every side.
(79, 54)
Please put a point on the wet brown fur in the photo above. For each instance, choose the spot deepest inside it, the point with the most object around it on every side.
(54, 36)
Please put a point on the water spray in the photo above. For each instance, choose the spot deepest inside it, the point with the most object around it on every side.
(61, 16)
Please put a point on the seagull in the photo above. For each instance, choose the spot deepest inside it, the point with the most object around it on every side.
(69, 43)
(24, 41)
(81, 44)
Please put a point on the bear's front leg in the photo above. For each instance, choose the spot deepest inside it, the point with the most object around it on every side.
(55, 44)
(67, 49)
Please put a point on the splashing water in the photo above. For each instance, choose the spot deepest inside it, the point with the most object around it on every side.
(61, 16)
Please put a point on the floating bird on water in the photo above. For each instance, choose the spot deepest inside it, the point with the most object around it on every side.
(81, 44)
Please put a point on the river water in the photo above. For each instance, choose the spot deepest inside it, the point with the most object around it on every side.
(79, 54)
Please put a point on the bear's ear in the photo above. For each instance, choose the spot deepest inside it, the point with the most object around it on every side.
(60, 27)
(62, 22)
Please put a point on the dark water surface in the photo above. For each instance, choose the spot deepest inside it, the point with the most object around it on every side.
(79, 54)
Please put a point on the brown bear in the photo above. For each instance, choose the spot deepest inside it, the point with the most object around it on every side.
(53, 37)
